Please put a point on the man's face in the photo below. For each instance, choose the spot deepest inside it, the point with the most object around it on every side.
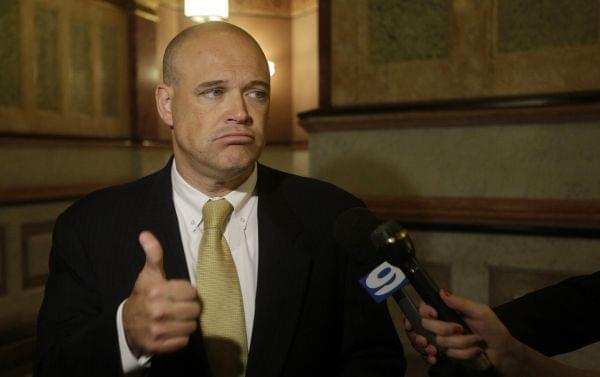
(220, 102)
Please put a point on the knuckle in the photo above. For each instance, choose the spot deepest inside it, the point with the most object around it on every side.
(155, 331)
(157, 311)
(155, 292)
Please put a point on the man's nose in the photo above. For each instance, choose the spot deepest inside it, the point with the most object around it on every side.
(237, 111)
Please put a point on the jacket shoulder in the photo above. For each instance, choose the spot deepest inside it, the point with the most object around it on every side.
(309, 196)
(109, 201)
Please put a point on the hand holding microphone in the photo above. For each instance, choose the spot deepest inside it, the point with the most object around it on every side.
(394, 243)
(391, 242)
(160, 314)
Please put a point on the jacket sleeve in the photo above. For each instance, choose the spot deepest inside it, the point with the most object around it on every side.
(556, 319)
(76, 335)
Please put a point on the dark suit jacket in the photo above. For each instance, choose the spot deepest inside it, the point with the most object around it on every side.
(556, 319)
(311, 318)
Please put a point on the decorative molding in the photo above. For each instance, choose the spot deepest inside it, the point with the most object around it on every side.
(294, 145)
(3, 269)
(29, 230)
(125, 4)
(574, 107)
(149, 16)
(261, 7)
(28, 195)
(302, 7)
(78, 142)
(151, 5)
(492, 213)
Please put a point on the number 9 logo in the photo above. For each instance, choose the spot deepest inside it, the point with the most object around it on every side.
(384, 279)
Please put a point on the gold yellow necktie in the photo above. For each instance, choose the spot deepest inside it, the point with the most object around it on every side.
(222, 312)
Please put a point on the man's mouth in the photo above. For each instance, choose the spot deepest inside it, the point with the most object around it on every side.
(236, 138)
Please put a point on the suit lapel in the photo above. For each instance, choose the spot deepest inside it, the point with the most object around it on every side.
(161, 219)
(283, 271)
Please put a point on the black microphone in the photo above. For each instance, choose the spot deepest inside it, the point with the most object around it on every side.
(394, 243)
(352, 231)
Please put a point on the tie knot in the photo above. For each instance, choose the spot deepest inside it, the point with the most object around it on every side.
(215, 213)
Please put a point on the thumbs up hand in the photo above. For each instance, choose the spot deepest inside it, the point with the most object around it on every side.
(160, 314)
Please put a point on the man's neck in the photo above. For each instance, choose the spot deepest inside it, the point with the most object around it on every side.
(211, 184)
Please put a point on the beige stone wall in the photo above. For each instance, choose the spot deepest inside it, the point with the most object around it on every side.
(522, 161)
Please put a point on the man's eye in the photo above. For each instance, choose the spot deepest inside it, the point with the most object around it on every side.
(213, 93)
(258, 94)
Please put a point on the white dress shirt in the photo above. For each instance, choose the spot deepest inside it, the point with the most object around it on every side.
(241, 234)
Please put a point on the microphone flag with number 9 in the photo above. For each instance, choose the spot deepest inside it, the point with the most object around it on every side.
(383, 281)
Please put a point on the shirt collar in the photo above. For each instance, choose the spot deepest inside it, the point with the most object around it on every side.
(191, 200)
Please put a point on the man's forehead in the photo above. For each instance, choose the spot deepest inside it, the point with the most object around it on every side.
(219, 50)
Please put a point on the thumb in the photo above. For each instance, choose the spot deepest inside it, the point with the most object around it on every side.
(154, 254)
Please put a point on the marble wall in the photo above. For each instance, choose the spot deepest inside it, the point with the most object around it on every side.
(397, 51)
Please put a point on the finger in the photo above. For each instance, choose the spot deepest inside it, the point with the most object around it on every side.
(431, 359)
(180, 290)
(154, 254)
(421, 341)
(162, 310)
(470, 309)
(183, 311)
(427, 311)
(464, 354)
(173, 329)
(458, 341)
(407, 325)
(158, 332)
(442, 328)
(431, 350)
(170, 345)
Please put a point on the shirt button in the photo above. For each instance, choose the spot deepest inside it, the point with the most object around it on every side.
(243, 220)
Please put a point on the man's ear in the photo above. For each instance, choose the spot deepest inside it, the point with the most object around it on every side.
(164, 100)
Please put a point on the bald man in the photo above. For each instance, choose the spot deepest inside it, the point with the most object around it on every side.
(215, 265)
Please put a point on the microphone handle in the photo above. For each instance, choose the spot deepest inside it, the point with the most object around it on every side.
(429, 293)
(411, 313)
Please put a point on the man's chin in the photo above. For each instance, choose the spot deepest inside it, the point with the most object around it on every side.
(239, 163)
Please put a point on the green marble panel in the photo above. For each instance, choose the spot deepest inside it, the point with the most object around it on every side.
(81, 67)
(402, 30)
(10, 83)
(535, 24)
(110, 71)
(46, 51)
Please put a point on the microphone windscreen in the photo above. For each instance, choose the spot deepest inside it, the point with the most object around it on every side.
(382, 233)
(352, 231)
